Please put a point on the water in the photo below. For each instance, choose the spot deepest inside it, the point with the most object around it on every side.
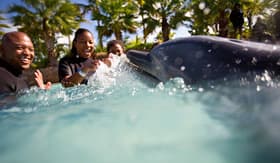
(136, 120)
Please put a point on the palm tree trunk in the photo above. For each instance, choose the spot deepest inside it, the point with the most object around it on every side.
(69, 42)
(165, 29)
(50, 44)
(100, 35)
(49, 38)
(118, 35)
(223, 24)
(144, 29)
(276, 17)
(100, 38)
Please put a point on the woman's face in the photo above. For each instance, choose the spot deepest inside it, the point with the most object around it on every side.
(84, 45)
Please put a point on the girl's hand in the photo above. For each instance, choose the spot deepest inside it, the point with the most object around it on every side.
(90, 65)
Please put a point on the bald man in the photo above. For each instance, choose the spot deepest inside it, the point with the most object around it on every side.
(17, 54)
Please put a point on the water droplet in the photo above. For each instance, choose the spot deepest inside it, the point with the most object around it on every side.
(200, 89)
(183, 68)
(254, 60)
(160, 86)
(208, 65)
(266, 76)
(274, 47)
(202, 5)
(278, 62)
(206, 11)
(238, 61)
(245, 49)
(258, 88)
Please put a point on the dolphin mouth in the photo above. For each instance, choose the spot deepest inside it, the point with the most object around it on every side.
(141, 60)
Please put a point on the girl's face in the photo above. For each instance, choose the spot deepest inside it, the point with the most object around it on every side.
(84, 45)
(116, 49)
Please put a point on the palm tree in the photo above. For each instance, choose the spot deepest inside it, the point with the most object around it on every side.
(114, 17)
(147, 22)
(166, 13)
(45, 19)
(2, 25)
(276, 18)
(94, 9)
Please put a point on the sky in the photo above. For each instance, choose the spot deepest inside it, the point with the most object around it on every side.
(90, 25)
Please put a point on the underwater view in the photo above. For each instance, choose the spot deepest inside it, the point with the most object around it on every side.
(132, 118)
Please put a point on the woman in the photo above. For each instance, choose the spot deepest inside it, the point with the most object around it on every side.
(75, 68)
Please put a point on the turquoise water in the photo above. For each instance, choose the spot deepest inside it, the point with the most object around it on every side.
(135, 120)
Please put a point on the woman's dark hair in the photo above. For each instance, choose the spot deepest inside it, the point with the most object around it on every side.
(77, 33)
(114, 42)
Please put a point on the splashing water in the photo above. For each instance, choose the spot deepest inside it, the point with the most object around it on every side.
(135, 119)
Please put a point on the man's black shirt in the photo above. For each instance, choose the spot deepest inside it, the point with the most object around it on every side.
(11, 80)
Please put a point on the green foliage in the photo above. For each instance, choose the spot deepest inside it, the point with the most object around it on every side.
(138, 44)
(100, 49)
(114, 17)
(206, 15)
(43, 20)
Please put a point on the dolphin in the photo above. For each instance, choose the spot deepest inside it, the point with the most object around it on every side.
(198, 58)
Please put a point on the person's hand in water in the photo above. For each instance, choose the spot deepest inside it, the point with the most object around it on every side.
(40, 81)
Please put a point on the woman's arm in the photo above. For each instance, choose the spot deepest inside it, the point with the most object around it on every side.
(69, 80)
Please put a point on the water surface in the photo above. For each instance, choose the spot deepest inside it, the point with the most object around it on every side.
(135, 120)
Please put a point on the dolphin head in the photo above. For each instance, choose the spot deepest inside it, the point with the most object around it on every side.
(200, 58)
